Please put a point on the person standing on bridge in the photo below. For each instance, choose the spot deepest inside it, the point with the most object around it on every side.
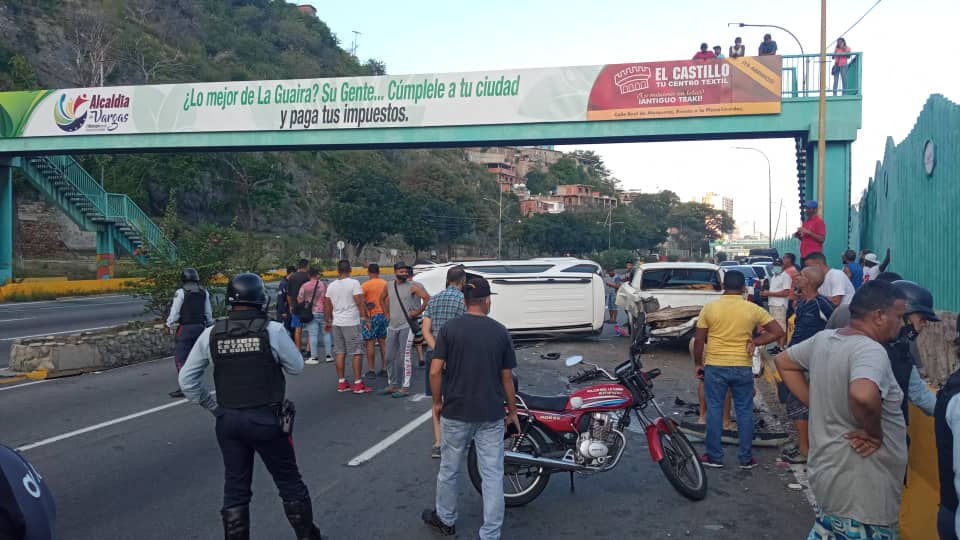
(704, 52)
(812, 232)
(192, 311)
(471, 376)
(250, 355)
(737, 50)
(841, 57)
(768, 47)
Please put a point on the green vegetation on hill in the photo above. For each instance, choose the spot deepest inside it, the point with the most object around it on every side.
(432, 199)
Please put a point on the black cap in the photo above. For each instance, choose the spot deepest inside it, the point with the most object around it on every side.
(401, 264)
(477, 288)
(373, 268)
(778, 262)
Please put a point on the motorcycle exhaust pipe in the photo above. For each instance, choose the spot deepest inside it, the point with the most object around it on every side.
(547, 463)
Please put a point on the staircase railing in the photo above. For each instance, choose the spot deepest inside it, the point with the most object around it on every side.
(115, 207)
(122, 208)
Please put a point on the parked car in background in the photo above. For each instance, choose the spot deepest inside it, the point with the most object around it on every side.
(729, 263)
(537, 296)
(667, 298)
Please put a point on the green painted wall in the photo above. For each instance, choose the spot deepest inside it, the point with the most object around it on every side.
(918, 216)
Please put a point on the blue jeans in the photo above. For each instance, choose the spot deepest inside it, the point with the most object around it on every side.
(455, 437)
(716, 381)
(314, 328)
(946, 524)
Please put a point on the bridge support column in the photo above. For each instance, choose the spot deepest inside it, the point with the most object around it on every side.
(836, 208)
(6, 223)
(105, 252)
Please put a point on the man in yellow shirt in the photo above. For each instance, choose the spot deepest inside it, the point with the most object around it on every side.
(729, 323)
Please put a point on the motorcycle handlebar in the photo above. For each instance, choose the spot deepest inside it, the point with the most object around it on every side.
(584, 376)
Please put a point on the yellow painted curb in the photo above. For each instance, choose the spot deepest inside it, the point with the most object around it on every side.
(37, 375)
(8, 380)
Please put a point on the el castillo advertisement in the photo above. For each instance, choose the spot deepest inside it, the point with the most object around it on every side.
(636, 91)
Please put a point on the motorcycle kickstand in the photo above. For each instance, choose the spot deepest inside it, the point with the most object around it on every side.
(572, 488)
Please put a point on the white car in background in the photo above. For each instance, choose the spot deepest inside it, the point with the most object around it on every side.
(670, 296)
(561, 295)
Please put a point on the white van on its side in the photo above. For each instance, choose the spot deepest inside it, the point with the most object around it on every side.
(536, 296)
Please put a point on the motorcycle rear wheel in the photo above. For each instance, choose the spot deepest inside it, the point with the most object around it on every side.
(682, 467)
(521, 483)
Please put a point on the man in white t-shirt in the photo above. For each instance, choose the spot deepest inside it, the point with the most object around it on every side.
(836, 285)
(780, 286)
(344, 311)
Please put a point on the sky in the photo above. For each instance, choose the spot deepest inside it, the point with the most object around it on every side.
(901, 41)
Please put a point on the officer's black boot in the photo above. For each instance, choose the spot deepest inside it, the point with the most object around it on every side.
(300, 515)
(236, 522)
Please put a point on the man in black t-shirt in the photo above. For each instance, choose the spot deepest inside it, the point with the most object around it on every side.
(294, 282)
(471, 376)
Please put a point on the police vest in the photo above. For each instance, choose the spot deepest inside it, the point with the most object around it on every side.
(194, 306)
(948, 495)
(25, 502)
(245, 372)
(901, 361)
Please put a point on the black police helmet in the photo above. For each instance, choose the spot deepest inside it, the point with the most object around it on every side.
(919, 299)
(190, 275)
(246, 289)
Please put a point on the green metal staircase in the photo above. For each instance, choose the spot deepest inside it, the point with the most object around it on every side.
(78, 194)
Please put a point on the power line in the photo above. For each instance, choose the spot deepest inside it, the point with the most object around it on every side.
(856, 23)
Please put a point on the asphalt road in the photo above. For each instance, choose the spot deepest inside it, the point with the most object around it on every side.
(125, 461)
(64, 316)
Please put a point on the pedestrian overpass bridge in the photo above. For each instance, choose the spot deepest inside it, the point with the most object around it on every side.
(744, 98)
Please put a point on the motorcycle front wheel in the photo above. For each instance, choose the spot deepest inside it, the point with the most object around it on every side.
(682, 467)
(521, 483)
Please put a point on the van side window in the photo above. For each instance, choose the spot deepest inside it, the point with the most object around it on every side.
(701, 279)
(582, 269)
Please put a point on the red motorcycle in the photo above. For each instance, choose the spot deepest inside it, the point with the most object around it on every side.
(584, 433)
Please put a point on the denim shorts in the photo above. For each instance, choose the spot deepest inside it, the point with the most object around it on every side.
(295, 321)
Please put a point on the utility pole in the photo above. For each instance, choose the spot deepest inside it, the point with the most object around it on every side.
(822, 131)
(356, 43)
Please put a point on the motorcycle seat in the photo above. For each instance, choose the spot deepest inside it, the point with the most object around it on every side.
(544, 403)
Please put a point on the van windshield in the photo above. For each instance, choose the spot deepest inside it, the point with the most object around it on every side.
(699, 279)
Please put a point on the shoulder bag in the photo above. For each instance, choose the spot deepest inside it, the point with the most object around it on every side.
(304, 310)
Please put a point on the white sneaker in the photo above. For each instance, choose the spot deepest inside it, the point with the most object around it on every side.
(328, 359)
(311, 361)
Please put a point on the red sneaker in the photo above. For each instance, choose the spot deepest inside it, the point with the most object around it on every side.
(344, 386)
(361, 388)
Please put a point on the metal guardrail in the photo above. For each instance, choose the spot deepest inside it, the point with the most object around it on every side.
(115, 207)
(800, 76)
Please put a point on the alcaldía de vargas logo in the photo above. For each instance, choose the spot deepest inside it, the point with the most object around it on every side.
(99, 113)
(632, 79)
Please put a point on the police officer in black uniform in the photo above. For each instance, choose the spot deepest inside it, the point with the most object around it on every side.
(191, 309)
(26, 506)
(249, 355)
(903, 352)
(946, 423)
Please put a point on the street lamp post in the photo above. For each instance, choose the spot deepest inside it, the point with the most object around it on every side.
(499, 202)
(741, 25)
(769, 194)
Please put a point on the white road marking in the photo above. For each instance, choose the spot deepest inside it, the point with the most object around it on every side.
(372, 452)
(78, 330)
(20, 319)
(31, 383)
(101, 425)
(95, 427)
(418, 397)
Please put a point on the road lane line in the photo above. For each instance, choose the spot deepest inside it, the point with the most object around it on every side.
(58, 333)
(64, 299)
(372, 452)
(31, 383)
(20, 319)
(95, 427)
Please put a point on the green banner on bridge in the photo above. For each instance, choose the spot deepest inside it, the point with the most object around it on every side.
(686, 88)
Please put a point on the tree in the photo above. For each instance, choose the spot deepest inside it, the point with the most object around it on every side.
(91, 43)
(23, 76)
(698, 224)
(257, 184)
(364, 195)
(540, 182)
